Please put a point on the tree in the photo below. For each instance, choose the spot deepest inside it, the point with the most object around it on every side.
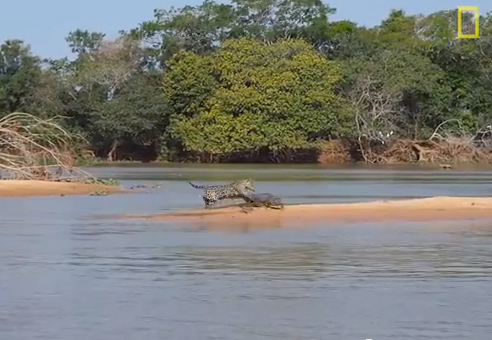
(267, 97)
(110, 96)
(83, 42)
(135, 120)
(270, 20)
(198, 29)
(395, 94)
(20, 73)
(201, 29)
(467, 65)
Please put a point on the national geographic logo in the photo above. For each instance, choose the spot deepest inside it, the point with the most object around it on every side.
(470, 22)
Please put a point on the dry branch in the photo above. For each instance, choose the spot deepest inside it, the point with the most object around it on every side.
(35, 148)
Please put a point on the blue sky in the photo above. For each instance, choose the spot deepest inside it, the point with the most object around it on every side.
(44, 24)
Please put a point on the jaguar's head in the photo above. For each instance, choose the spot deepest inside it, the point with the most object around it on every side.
(245, 184)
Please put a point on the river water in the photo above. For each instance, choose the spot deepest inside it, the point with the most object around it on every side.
(70, 269)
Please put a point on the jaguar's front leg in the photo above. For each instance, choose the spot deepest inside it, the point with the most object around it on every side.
(245, 208)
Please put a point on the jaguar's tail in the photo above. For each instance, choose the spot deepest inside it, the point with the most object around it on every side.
(197, 186)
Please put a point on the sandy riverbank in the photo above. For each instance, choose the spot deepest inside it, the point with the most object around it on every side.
(23, 188)
(434, 208)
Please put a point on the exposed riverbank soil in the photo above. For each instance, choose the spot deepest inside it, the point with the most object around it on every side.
(435, 208)
(406, 151)
(23, 188)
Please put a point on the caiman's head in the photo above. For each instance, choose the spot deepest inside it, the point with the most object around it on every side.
(273, 201)
(277, 203)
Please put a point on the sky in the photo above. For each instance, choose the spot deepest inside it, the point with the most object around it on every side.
(44, 24)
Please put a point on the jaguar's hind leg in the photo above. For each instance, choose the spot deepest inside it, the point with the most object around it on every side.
(207, 202)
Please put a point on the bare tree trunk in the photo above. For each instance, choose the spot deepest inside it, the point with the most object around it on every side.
(112, 152)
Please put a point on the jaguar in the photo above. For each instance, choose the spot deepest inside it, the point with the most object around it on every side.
(214, 193)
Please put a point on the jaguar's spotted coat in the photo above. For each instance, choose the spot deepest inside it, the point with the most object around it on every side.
(214, 193)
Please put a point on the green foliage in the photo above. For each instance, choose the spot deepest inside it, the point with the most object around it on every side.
(103, 181)
(83, 42)
(278, 96)
(201, 29)
(20, 73)
(136, 116)
(189, 84)
(397, 90)
(257, 77)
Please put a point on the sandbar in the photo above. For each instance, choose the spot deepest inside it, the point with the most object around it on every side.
(420, 209)
(24, 188)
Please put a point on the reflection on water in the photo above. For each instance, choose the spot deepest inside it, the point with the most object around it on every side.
(66, 274)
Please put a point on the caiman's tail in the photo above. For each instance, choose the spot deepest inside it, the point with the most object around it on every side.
(197, 186)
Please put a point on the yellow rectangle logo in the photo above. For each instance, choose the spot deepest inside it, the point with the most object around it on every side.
(462, 9)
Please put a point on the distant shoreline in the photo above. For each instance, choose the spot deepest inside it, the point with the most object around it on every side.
(136, 163)
(400, 152)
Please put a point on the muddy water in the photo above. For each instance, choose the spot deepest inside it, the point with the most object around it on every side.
(71, 270)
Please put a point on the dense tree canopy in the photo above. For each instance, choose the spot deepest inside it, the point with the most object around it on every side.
(276, 96)
(259, 79)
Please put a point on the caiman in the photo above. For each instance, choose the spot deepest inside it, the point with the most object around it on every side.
(266, 200)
